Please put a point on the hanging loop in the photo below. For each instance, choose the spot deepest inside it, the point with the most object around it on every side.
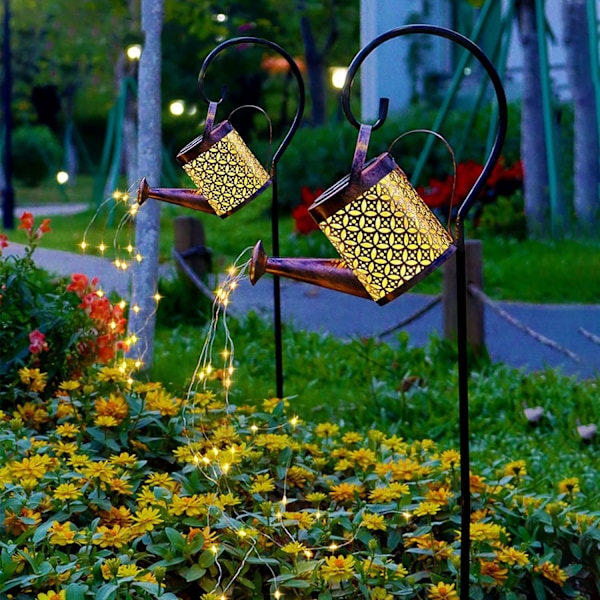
(478, 53)
(293, 67)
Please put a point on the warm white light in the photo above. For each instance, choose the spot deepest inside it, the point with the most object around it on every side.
(177, 108)
(220, 18)
(62, 177)
(338, 77)
(134, 52)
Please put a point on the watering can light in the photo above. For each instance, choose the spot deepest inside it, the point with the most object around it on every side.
(386, 235)
(226, 173)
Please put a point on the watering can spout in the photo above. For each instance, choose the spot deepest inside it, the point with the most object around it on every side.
(182, 197)
(330, 273)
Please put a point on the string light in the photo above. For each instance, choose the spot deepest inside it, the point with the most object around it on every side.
(157, 297)
(136, 309)
(102, 247)
(83, 245)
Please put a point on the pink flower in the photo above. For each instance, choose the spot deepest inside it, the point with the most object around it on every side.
(37, 342)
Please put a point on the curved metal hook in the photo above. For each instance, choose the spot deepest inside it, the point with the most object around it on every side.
(476, 51)
(293, 66)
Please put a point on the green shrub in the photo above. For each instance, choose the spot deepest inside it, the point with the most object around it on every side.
(51, 329)
(36, 154)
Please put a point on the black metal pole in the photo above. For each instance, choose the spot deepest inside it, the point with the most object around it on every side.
(461, 272)
(277, 328)
(8, 193)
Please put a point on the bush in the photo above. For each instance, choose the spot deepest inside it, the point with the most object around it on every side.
(36, 154)
(51, 329)
(116, 488)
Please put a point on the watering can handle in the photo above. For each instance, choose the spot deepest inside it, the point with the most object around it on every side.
(473, 49)
(360, 152)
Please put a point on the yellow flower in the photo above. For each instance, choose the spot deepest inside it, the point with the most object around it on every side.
(31, 412)
(515, 468)
(427, 508)
(67, 430)
(67, 491)
(337, 568)
(344, 492)
(113, 406)
(115, 536)
(52, 595)
(31, 468)
(120, 485)
(270, 404)
(129, 570)
(161, 401)
(394, 491)
(327, 430)
(440, 495)
(569, 486)
(262, 484)
(395, 443)
(100, 470)
(512, 556)
(316, 497)
(116, 516)
(79, 461)
(146, 518)
(61, 534)
(442, 591)
(552, 572)
(65, 448)
(497, 572)
(294, 547)
(123, 460)
(450, 459)
(192, 506)
(373, 522)
(352, 437)
(487, 532)
(69, 386)
(363, 457)
(298, 476)
(105, 421)
(304, 520)
(163, 480)
(34, 379)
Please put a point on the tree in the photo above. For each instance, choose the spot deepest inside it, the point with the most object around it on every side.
(533, 139)
(579, 66)
(145, 275)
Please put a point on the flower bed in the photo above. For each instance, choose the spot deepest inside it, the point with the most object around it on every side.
(116, 489)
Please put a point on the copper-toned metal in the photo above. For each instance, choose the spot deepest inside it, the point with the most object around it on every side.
(187, 198)
(330, 273)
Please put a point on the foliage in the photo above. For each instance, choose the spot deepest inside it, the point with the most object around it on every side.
(36, 153)
(116, 488)
(504, 217)
(49, 325)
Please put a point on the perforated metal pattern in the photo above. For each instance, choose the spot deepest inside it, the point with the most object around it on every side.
(388, 235)
(227, 174)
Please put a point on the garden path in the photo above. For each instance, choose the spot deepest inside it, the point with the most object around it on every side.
(316, 309)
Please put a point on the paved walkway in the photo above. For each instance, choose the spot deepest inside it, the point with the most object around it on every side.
(317, 309)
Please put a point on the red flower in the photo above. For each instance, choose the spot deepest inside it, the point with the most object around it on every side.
(79, 284)
(3, 241)
(37, 342)
(303, 222)
(26, 222)
(43, 228)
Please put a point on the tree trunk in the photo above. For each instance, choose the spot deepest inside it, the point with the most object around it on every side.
(315, 63)
(585, 153)
(533, 139)
(145, 274)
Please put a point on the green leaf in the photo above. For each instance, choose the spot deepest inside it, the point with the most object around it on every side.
(206, 559)
(76, 591)
(42, 531)
(194, 572)
(176, 539)
(106, 591)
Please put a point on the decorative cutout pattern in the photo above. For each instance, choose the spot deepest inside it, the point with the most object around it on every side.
(388, 235)
(227, 174)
